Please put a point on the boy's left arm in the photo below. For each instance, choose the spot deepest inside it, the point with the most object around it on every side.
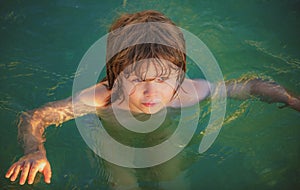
(267, 91)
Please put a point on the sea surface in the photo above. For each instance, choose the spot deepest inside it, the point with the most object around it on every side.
(42, 43)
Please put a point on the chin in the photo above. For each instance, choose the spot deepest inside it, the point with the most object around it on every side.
(152, 110)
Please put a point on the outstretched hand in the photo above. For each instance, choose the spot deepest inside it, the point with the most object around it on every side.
(294, 103)
(30, 164)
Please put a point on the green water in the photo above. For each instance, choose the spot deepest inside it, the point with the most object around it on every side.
(42, 44)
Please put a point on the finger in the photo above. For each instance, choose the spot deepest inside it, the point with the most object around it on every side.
(15, 173)
(32, 173)
(10, 170)
(24, 173)
(47, 173)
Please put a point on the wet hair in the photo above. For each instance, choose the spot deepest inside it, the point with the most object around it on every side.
(126, 47)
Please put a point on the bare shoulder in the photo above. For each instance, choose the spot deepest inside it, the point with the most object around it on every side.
(95, 95)
(191, 92)
(202, 87)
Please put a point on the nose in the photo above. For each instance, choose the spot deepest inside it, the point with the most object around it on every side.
(150, 89)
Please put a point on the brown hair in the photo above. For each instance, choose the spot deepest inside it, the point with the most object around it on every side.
(166, 42)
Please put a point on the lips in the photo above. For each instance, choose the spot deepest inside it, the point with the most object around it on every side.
(149, 104)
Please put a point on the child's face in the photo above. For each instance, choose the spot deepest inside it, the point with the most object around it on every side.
(152, 89)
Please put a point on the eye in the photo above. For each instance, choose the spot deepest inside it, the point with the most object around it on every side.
(161, 79)
(135, 80)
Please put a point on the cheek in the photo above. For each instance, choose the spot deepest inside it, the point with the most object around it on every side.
(132, 91)
(128, 89)
(172, 84)
(134, 94)
(167, 91)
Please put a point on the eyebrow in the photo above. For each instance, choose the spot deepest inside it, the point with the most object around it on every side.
(161, 75)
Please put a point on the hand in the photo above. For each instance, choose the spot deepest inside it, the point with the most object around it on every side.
(294, 103)
(30, 164)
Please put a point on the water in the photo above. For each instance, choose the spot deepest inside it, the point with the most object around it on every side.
(42, 44)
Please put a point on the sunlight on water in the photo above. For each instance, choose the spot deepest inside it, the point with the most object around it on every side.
(258, 147)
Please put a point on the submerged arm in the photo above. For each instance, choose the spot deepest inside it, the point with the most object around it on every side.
(267, 91)
(32, 125)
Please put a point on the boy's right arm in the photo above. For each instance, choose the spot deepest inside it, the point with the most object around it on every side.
(33, 123)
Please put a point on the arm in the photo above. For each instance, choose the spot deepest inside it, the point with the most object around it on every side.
(267, 91)
(239, 89)
(33, 123)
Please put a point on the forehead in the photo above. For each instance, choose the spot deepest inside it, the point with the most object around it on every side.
(151, 68)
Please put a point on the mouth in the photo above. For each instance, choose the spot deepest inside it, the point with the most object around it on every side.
(149, 104)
